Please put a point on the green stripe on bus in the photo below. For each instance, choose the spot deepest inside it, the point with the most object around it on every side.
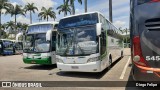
(45, 61)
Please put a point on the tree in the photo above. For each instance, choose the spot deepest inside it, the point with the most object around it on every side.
(4, 4)
(72, 5)
(21, 26)
(31, 8)
(3, 29)
(46, 13)
(10, 26)
(64, 8)
(125, 38)
(14, 11)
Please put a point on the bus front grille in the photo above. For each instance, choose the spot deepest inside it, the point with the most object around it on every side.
(153, 24)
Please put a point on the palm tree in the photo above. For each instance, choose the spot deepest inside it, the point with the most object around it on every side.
(24, 27)
(46, 13)
(10, 26)
(31, 8)
(72, 5)
(4, 4)
(3, 31)
(64, 8)
(21, 26)
(14, 11)
(3, 27)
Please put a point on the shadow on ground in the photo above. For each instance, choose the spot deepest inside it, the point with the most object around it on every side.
(86, 74)
(41, 67)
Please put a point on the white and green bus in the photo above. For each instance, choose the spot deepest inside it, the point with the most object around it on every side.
(39, 43)
(87, 43)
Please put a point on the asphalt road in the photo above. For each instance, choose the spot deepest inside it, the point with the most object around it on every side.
(12, 68)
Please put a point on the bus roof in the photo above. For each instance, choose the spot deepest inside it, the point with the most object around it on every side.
(6, 40)
(90, 13)
(43, 23)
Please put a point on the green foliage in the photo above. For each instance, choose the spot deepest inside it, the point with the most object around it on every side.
(64, 8)
(72, 4)
(46, 13)
(31, 8)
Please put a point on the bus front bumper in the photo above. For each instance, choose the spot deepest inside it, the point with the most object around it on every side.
(45, 61)
(88, 67)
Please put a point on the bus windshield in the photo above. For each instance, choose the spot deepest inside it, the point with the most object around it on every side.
(77, 41)
(88, 19)
(8, 45)
(41, 28)
(36, 43)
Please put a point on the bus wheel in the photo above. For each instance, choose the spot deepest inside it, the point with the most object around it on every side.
(110, 62)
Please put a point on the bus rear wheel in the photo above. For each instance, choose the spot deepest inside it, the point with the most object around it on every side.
(110, 62)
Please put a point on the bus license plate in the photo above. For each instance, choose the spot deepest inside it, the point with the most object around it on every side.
(74, 67)
(33, 62)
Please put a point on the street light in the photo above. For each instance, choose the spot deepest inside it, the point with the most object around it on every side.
(110, 10)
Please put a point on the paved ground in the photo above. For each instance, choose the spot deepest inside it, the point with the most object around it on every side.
(13, 69)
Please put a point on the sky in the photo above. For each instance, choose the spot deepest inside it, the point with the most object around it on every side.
(120, 10)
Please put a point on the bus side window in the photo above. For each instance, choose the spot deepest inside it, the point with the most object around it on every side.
(103, 42)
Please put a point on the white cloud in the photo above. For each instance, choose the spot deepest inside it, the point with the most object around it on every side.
(122, 10)
(77, 11)
(119, 2)
(41, 3)
(119, 24)
(3, 11)
(14, 3)
(23, 19)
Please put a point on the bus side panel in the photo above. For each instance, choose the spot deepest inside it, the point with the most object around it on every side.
(114, 48)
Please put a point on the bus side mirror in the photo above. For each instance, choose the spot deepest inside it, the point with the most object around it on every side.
(99, 28)
(18, 35)
(48, 35)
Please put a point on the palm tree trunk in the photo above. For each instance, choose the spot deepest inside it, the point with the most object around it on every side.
(15, 24)
(0, 23)
(64, 1)
(85, 1)
(47, 18)
(73, 8)
(65, 13)
(30, 17)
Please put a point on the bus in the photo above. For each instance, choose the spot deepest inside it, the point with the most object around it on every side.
(39, 43)
(87, 42)
(145, 39)
(6, 47)
(18, 47)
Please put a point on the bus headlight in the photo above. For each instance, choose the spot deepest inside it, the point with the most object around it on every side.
(24, 56)
(93, 59)
(59, 60)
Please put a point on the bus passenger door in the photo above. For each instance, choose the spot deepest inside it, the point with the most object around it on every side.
(53, 47)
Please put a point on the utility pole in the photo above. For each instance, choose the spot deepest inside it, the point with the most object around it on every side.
(110, 10)
(85, 6)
